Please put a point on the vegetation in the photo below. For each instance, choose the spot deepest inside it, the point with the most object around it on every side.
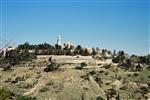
(26, 98)
(115, 81)
(7, 68)
(14, 57)
(83, 64)
(4, 94)
(51, 67)
(100, 98)
(119, 59)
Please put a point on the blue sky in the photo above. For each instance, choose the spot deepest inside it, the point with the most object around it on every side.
(110, 24)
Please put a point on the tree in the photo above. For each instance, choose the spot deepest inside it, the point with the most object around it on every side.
(78, 50)
(12, 57)
(85, 52)
(119, 59)
(58, 47)
(114, 54)
(93, 51)
(144, 59)
(27, 46)
(121, 53)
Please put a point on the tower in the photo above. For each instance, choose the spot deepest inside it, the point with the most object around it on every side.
(59, 40)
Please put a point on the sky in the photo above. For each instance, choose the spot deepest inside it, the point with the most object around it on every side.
(107, 24)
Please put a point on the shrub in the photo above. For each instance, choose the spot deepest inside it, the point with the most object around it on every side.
(51, 67)
(144, 90)
(98, 80)
(17, 79)
(8, 80)
(124, 87)
(83, 64)
(119, 77)
(5, 94)
(85, 77)
(101, 71)
(7, 68)
(106, 73)
(92, 72)
(119, 59)
(136, 74)
(26, 98)
(112, 92)
(107, 83)
(100, 98)
(107, 66)
(129, 75)
(14, 57)
(148, 68)
(44, 89)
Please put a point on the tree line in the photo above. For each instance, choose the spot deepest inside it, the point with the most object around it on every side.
(47, 49)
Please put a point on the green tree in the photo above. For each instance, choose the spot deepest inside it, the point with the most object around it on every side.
(12, 57)
(119, 59)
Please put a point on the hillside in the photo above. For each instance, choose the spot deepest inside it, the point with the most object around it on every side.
(98, 79)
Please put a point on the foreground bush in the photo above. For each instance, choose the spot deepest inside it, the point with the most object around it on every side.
(26, 98)
(5, 94)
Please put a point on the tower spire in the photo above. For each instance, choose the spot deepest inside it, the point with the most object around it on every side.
(59, 40)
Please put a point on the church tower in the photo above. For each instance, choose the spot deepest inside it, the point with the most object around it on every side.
(59, 40)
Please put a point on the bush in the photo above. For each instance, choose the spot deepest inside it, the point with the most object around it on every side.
(98, 80)
(107, 66)
(92, 72)
(26, 98)
(144, 90)
(51, 67)
(14, 57)
(101, 71)
(106, 73)
(44, 89)
(119, 59)
(24, 85)
(124, 87)
(5, 94)
(7, 68)
(129, 75)
(85, 77)
(112, 92)
(17, 79)
(148, 68)
(136, 74)
(99, 98)
(83, 64)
